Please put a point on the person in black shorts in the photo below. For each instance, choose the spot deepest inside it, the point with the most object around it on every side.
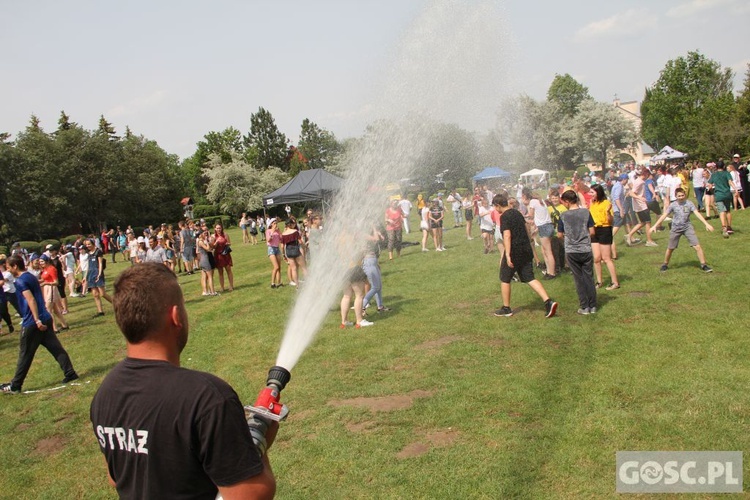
(166, 431)
(518, 257)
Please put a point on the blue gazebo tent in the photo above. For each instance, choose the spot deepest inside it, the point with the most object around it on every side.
(491, 173)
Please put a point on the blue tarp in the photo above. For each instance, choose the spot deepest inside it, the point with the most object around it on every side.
(491, 173)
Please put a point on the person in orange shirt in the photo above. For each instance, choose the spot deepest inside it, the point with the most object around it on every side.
(49, 282)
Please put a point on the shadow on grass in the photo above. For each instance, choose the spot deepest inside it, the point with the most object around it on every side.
(96, 371)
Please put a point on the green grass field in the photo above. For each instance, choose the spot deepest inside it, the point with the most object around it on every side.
(439, 399)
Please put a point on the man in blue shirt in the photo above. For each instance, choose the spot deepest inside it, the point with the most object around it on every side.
(37, 328)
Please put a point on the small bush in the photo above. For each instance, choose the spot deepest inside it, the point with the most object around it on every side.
(69, 240)
(204, 211)
(32, 246)
(582, 171)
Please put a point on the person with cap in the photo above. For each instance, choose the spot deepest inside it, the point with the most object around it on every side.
(140, 253)
(48, 250)
(37, 328)
(34, 267)
(737, 200)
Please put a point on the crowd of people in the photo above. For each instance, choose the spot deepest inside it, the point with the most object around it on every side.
(619, 201)
(622, 199)
(574, 225)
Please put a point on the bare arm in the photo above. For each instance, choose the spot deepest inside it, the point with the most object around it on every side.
(709, 227)
(506, 243)
(34, 310)
(661, 219)
(262, 486)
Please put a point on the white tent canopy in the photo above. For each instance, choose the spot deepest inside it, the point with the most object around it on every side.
(668, 153)
(535, 175)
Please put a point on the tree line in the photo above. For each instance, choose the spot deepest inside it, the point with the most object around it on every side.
(73, 180)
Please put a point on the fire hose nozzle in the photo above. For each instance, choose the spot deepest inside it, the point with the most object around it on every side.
(267, 407)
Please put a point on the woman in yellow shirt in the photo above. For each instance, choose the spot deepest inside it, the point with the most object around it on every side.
(420, 204)
(601, 242)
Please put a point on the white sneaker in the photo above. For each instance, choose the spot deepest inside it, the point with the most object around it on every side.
(425, 249)
(364, 322)
(438, 249)
(292, 283)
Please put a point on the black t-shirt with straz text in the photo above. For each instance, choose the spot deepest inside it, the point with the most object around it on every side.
(170, 432)
(520, 246)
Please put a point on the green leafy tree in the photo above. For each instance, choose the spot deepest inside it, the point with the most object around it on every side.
(237, 187)
(568, 94)
(64, 122)
(601, 130)
(743, 110)
(31, 201)
(451, 155)
(106, 129)
(225, 144)
(268, 141)
(318, 146)
(8, 160)
(75, 180)
(540, 134)
(690, 100)
(492, 151)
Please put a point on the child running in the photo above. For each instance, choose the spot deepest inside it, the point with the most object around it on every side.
(681, 226)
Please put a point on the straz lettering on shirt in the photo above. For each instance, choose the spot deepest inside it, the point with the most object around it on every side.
(119, 438)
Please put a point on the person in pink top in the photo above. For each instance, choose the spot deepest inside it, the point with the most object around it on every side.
(273, 239)
(393, 226)
(640, 207)
(223, 256)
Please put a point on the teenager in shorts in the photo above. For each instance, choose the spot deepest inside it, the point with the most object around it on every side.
(518, 258)
(681, 226)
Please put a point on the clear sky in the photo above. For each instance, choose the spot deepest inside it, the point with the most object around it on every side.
(175, 70)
